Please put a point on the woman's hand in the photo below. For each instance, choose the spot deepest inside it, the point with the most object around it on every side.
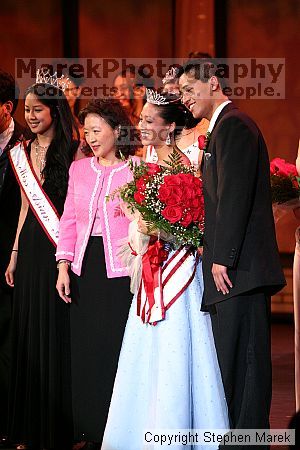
(63, 282)
(143, 228)
(9, 274)
(200, 251)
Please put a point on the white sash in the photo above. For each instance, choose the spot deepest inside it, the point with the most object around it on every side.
(38, 200)
(176, 275)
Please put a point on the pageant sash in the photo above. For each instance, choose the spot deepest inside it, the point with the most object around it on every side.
(38, 200)
(161, 286)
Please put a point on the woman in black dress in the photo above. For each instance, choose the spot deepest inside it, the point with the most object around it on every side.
(40, 396)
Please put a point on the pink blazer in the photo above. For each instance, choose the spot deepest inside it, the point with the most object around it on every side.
(89, 184)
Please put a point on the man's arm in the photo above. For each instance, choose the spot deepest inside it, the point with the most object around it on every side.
(237, 156)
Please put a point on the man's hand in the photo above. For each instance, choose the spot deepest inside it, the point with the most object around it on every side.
(221, 278)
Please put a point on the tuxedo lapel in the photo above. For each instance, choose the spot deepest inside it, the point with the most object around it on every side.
(224, 111)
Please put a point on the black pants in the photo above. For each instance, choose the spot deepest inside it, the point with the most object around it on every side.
(241, 327)
(99, 312)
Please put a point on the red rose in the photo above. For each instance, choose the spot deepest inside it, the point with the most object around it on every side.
(141, 184)
(170, 195)
(196, 202)
(186, 178)
(171, 180)
(187, 219)
(139, 197)
(153, 169)
(173, 200)
(188, 193)
(280, 167)
(197, 182)
(197, 214)
(172, 213)
(201, 142)
(163, 193)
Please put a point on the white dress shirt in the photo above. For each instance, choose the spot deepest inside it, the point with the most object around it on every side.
(216, 115)
(6, 135)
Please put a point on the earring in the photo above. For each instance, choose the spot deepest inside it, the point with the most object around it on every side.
(168, 140)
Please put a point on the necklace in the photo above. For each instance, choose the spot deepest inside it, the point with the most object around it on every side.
(40, 156)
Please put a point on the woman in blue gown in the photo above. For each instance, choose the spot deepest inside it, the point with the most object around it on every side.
(168, 376)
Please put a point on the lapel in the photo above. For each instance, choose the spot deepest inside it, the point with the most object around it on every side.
(4, 161)
(224, 111)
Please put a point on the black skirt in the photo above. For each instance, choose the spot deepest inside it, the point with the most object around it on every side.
(98, 316)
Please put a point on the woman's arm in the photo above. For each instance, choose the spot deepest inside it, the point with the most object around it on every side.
(9, 274)
(66, 241)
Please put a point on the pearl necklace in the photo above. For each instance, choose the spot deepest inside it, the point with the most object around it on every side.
(40, 156)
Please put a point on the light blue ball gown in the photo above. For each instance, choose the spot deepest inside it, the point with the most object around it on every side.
(168, 376)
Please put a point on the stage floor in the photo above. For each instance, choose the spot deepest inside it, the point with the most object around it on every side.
(283, 402)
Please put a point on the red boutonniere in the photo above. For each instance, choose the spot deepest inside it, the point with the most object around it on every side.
(203, 141)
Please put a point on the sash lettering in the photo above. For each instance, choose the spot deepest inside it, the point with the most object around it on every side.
(39, 202)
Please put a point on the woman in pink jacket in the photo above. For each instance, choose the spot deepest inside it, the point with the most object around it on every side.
(90, 230)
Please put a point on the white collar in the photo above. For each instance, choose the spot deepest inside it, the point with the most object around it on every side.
(216, 115)
(7, 134)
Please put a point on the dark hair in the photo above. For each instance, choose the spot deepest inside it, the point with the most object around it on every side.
(190, 120)
(174, 111)
(9, 90)
(115, 116)
(204, 69)
(62, 149)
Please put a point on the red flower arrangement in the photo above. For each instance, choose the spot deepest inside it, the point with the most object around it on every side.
(169, 198)
(285, 184)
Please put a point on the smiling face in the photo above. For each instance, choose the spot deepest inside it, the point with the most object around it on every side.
(196, 95)
(100, 137)
(154, 130)
(38, 116)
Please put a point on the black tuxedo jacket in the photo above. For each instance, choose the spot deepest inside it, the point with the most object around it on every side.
(239, 225)
(10, 202)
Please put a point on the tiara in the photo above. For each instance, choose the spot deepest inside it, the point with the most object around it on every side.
(43, 75)
(155, 98)
(170, 75)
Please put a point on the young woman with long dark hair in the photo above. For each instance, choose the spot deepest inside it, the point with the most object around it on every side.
(40, 394)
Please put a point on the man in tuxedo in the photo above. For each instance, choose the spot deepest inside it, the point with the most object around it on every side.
(10, 132)
(241, 265)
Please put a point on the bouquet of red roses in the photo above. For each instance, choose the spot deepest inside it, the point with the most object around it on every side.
(169, 198)
(285, 183)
